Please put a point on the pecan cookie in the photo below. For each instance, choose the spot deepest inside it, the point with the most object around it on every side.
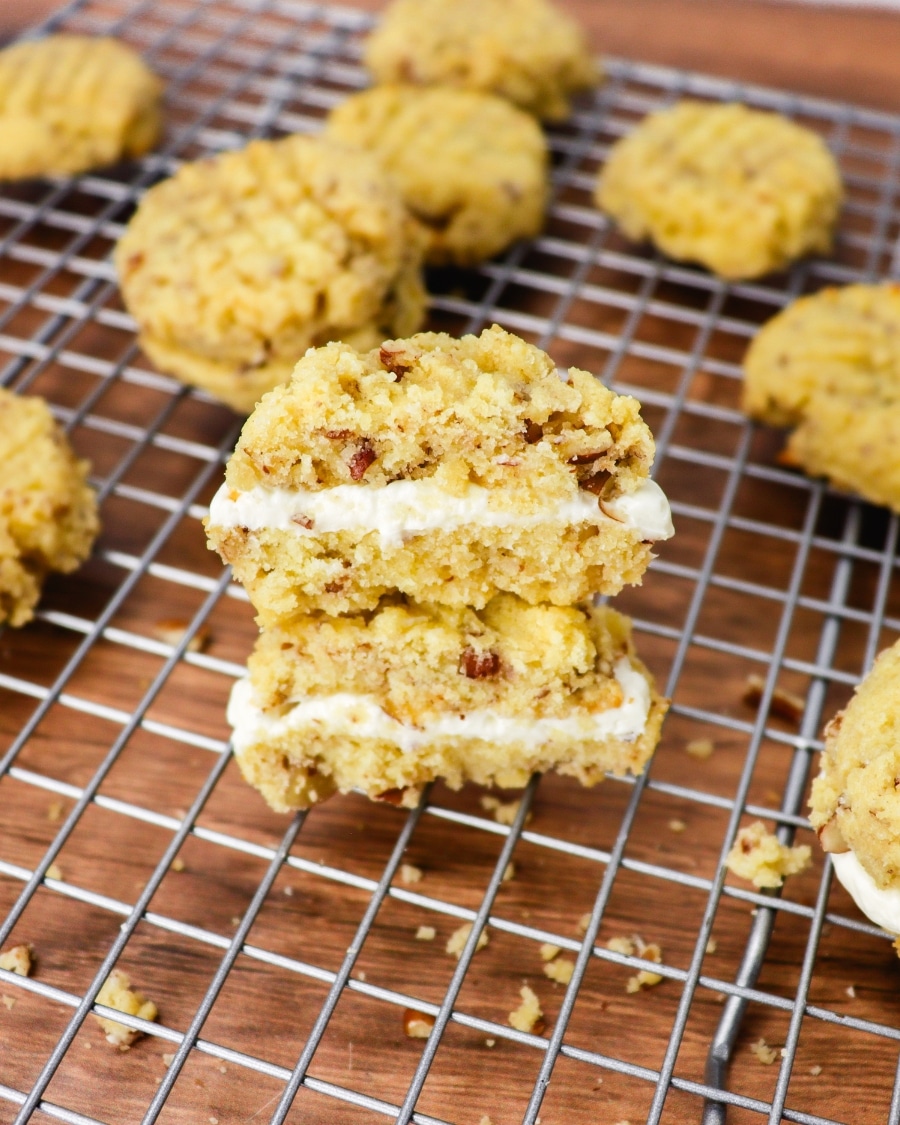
(48, 512)
(389, 701)
(239, 263)
(524, 50)
(855, 801)
(738, 190)
(828, 366)
(70, 102)
(448, 470)
(472, 168)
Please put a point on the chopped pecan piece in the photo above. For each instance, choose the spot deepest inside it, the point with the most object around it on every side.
(478, 665)
(361, 460)
(417, 1025)
(533, 432)
(595, 483)
(338, 435)
(587, 458)
(302, 521)
(397, 362)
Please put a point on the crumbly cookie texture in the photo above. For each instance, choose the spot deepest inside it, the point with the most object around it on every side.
(525, 50)
(48, 511)
(828, 366)
(448, 469)
(71, 102)
(472, 168)
(238, 263)
(741, 191)
(389, 701)
(758, 855)
(854, 801)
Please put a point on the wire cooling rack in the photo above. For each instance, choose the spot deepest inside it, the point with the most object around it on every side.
(284, 954)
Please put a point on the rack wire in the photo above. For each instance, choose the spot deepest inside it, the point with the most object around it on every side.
(282, 952)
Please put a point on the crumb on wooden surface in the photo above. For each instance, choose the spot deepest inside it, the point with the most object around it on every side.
(485, 1120)
(456, 943)
(583, 922)
(712, 945)
(117, 993)
(168, 1059)
(8, 1001)
(417, 1025)
(505, 812)
(759, 856)
(763, 1052)
(785, 704)
(851, 991)
(177, 864)
(171, 630)
(700, 748)
(409, 873)
(529, 1015)
(560, 970)
(815, 1071)
(548, 951)
(426, 933)
(55, 810)
(635, 946)
(54, 871)
(490, 1042)
(676, 825)
(509, 872)
(18, 959)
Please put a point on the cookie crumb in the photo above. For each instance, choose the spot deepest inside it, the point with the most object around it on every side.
(18, 960)
(785, 704)
(361, 975)
(700, 748)
(490, 1042)
(851, 991)
(485, 1120)
(457, 940)
(763, 1052)
(815, 1071)
(505, 812)
(168, 1059)
(417, 1025)
(54, 871)
(289, 891)
(54, 811)
(636, 946)
(528, 1016)
(177, 864)
(509, 872)
(9, 1001)
(759, 856)
(583, 922)
(409, 873)
(170, 631)
(712, 945)
(426, 933)
(676, 825)
(117, 993)
(549, 951)
(560, 971)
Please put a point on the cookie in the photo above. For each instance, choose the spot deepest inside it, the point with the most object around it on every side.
(239, 263)
(388, 701)
(524, 50)
(738, 190)
(70, 102)
(48, 512)
(828, 367)
(471, 167)
(449, 470)
(855, 802)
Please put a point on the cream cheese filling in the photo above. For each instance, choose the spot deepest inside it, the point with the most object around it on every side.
(880, 904)
(359, 716)
(411, 507)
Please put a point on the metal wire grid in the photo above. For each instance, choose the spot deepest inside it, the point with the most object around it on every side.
(669, 334)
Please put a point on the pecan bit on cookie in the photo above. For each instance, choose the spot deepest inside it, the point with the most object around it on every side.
(478, 665)
(533, 432)
(832, 839)
(361, 460)
(595, 483)
(586, 458)
(397, 362)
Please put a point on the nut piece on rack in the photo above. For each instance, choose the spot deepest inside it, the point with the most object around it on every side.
(524, 50)
(73, 102)
(739, 190)
(48, 511)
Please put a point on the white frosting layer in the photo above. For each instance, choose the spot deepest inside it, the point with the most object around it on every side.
(346, 713)
(410, 507)
(881, 904)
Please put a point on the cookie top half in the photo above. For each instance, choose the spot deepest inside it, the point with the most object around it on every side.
(246, 259)
(739, 190)
(525, 50)
(487, 410)
(829, 367)
(71, 102)
(471, 166)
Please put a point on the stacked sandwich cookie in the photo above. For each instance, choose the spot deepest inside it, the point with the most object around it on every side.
(421, 529)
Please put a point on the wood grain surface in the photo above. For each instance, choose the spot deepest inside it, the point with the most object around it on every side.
(784, 545)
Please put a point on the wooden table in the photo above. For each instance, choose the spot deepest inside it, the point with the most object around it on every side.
(665, 847)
